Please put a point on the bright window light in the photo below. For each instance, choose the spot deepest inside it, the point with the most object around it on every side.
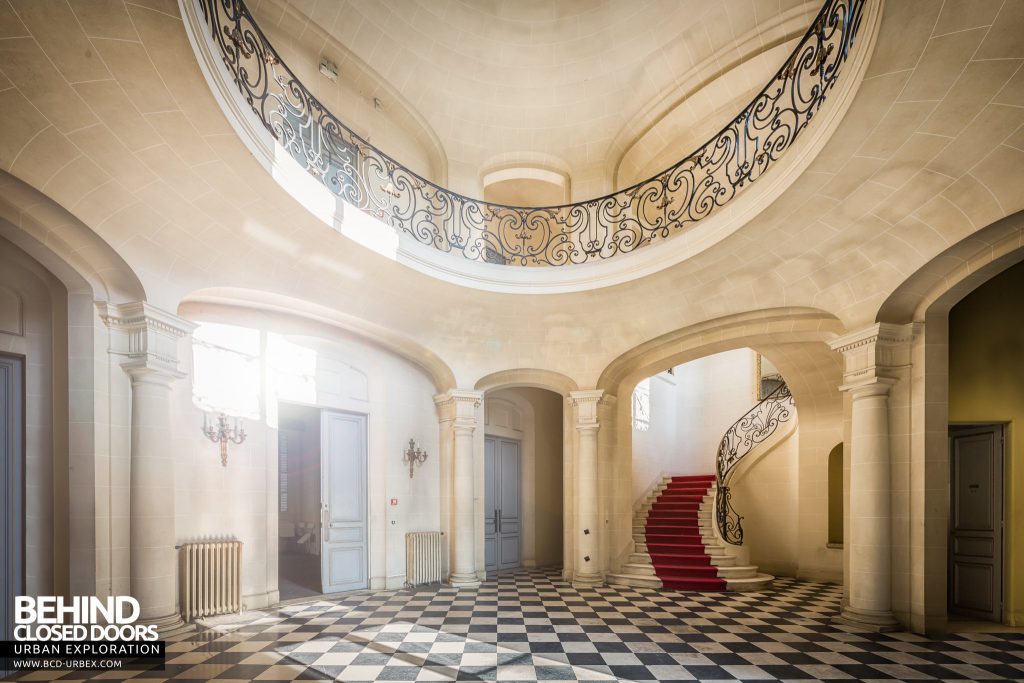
(226, 369)
(642, 406)
(291, 370)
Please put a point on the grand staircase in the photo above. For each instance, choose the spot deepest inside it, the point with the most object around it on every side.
(675, 545)
(679, 528)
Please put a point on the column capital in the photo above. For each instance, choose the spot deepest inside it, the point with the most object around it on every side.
(584, 404)
(459, 405)
(874, 354)
(146, 338)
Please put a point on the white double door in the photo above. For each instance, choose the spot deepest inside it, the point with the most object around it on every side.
(502, 516)
(344, 544)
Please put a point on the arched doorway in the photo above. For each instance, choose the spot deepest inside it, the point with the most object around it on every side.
(986, 432)
(794, 339)
(523, 478)
(924, 302)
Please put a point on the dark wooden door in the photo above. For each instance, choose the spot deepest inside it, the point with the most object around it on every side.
(12, 488)
(976, 522)
(502, 496)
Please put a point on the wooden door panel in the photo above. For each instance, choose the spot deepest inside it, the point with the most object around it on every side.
(12, 489)
(344, 547)
(976, 520)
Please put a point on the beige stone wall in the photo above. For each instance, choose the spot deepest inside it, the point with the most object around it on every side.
(766, 492)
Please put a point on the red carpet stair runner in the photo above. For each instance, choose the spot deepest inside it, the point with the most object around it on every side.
(676, 546)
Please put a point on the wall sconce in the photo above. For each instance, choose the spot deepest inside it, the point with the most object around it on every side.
(221, 433)
(414, 455)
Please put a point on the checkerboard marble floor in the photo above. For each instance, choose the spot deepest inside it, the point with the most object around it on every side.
(533, 626)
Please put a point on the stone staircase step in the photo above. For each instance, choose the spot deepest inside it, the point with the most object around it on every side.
(639, 569)
(737, 572)
(757, 583)
(633, 580)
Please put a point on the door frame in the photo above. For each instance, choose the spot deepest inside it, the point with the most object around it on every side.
(15, 483)
(519, 450)
(963, 428)
(324, 483)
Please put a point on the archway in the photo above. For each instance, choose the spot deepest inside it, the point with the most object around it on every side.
(795, 341)
(529, 407)
(925, 301)
(59, 276)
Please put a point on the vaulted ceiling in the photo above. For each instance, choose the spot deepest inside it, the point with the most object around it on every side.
(570, 84)
(106, 115)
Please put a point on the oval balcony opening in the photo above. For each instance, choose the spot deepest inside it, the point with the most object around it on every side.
(502, 230)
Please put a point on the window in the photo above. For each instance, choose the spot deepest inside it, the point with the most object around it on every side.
(226, 370)
(291, 370)
(642, 406)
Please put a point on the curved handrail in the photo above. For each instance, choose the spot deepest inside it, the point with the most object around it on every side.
(755, 427)
(586, 231)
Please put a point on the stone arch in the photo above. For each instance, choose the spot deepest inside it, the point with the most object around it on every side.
(924, 301)
(527, 377)
(64, 245)
(83, 270)
(562, 385)
(939, 284)
(759, 330)
(319, 319)
(795, 339)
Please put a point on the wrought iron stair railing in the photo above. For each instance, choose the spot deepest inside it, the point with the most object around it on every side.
(588, 231)
(755, 427)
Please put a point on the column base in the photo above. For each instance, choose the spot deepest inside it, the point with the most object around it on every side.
(168, 626)
(587, 580)
(869, 620)
(463, 580)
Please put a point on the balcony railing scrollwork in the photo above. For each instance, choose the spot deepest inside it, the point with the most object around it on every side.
(587, 231)
(755, 427)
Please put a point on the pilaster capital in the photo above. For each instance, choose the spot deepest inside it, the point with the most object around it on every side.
(459, 406)
(584, 405)
(874, 354)
(146, 338)
(867, 387)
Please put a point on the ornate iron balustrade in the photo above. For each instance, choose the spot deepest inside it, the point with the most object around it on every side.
(587, 231)
(755, 427)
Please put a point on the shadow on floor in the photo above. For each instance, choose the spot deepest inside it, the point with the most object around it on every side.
(298, 576)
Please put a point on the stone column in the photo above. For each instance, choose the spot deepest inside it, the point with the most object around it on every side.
(457, 411)
(872, 358)
(146, 339)
(586, 572)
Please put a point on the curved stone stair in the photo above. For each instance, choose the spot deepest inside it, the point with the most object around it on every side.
(675, 525)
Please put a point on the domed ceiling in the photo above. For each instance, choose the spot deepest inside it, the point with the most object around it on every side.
(571, 85)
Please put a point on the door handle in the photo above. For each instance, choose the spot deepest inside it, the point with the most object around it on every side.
(499, 521)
